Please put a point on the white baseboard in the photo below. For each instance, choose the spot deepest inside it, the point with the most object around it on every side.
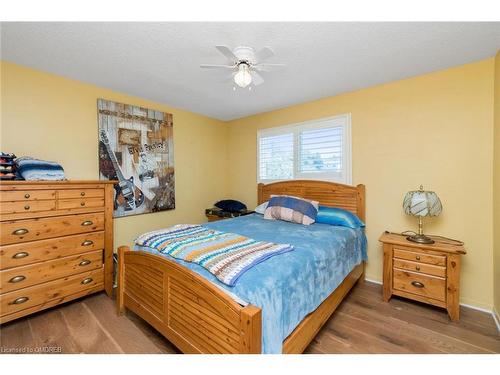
(496, 318)
(493, 313)
(482, 309)
(373, 281)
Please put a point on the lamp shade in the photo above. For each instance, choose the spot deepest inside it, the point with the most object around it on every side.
(422, 203)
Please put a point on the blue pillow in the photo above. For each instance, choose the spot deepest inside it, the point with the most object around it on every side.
(338, 216)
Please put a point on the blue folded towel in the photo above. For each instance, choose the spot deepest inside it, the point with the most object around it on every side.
(34, 169)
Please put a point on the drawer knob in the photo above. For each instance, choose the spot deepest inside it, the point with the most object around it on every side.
(17, 279)
(417, 284)
(82, 204)
(82, 193)
(19, 300)
(88, 280)
(20, 232)
(22, 254)
(417, 268)
(87, 243)
(84, 262)
(27, 207)
(86, 223)
(417, 257)
(27, 196)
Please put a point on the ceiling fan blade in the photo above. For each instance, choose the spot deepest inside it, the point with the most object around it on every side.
(256, 78)
(229, 78)
(264, 54)
(267, 67)
(216, 66)
(226, 51)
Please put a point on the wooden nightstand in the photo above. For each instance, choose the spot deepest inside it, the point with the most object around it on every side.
(215, 214)
(425, 273)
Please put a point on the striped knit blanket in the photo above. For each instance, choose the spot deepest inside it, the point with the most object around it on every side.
(36, 169)
(226, 255)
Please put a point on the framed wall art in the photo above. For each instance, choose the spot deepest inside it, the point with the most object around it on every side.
(136, 149)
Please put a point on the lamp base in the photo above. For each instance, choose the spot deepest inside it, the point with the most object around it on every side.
(420, 238)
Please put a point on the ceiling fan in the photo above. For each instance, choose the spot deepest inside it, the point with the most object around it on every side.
(245, 64)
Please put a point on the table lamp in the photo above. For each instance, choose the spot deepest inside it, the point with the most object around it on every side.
(421, 203)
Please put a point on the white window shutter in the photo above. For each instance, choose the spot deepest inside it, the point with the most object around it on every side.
(319, 149)
(276, 157)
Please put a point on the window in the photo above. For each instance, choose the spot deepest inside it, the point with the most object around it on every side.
(319, 149)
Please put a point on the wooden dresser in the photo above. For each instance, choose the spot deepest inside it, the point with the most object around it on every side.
(426, 273)
(56, 243)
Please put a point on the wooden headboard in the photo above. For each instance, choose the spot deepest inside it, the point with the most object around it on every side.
(331, 194)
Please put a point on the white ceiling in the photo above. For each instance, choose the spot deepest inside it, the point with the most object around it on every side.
(160, 61)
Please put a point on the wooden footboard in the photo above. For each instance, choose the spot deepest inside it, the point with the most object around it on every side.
(198, 317)
(188, 310)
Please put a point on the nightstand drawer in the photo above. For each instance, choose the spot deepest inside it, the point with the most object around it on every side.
(438, 260)
(417, 283)
(428, 269)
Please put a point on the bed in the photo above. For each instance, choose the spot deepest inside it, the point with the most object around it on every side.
(199, 315)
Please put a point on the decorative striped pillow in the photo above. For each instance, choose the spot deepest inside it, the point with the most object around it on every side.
(293, 209)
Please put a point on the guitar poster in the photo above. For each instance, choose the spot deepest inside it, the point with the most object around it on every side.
(136, 149)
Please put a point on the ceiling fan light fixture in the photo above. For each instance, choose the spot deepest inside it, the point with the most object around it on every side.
(245, 64)
(243, 77)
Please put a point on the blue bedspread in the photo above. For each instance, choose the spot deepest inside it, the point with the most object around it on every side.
(291, 285)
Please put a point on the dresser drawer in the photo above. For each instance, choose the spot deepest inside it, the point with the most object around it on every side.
(417, 283)
(37, 273)
(438, 260)
(420, 267)
(26, 195)
(35, 229)
(65, 204)
(32, 252)
(28, 206)
(53, 290)
(80, 193)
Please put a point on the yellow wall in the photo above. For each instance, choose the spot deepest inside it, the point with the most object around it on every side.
(496, 188)
(434, 130)
(55, 118)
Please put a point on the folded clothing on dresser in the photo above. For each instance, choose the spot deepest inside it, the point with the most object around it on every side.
(35, 169)
(7, 166)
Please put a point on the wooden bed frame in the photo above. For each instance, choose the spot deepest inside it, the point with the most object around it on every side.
(198, 317)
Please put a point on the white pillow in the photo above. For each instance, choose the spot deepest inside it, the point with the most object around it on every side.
(261, 208)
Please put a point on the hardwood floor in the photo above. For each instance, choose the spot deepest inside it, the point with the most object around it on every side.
(362, 324)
